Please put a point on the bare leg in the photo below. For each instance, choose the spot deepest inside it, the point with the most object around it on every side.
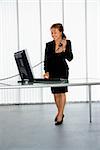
(62, 103)
(57, 101)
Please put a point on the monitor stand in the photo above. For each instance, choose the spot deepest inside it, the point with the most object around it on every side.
(25, 82)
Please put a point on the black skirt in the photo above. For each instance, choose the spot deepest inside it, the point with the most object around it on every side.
(64, 89)
(56, 90)
(58, 68)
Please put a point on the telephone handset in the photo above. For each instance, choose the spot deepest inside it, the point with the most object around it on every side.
(63, 37)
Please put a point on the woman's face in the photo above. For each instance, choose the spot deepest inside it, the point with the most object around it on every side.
(56, 34)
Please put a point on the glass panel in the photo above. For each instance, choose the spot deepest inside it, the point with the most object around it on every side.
(93, 38)
(29, 30)
(51, 13)
(74, 24)
(29, 34)
(8, 45)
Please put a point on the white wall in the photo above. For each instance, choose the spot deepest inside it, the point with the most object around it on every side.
(81, 21)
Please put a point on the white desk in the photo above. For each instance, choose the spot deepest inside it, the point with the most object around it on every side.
(41, 85)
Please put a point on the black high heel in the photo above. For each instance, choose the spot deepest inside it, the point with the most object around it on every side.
(60, 122)
(56, 118)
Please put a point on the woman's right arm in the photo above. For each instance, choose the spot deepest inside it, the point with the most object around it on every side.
(46, 59)
(46, 69)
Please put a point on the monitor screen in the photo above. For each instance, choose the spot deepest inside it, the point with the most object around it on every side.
(23, 65)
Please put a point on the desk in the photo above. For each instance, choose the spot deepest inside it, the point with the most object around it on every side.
(41, 85)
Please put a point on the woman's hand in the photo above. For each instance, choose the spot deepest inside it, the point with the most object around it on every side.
(46, 75)
(63, 47)
(64, 43)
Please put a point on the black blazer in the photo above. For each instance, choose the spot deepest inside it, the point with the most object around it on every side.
(56, 61)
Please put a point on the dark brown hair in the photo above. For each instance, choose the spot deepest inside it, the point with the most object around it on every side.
(59, 26)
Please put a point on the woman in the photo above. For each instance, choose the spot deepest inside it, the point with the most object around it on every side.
(55, 66)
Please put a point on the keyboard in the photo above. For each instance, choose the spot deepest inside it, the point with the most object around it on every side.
(50, 81)
(44, 81)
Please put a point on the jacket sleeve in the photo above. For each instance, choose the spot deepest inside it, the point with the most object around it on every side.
(68, 52)
(46, 59)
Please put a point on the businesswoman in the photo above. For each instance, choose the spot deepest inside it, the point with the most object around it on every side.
(55, 66)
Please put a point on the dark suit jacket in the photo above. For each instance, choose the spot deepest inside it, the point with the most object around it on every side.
(55, 62)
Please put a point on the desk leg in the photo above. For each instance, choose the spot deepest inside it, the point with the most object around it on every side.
(90, 103)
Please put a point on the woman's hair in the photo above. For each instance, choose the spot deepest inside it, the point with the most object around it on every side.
(59, 26)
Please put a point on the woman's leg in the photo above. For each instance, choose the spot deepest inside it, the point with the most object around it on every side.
(62, 102)
(57, 101)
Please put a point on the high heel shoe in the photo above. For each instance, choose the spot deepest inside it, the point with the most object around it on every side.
(57, 116)
(60, 122)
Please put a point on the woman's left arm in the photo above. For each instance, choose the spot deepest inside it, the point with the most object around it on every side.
(67, 54)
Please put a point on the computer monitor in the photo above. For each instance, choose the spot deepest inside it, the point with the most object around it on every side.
(24, 66)
(26, 73)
